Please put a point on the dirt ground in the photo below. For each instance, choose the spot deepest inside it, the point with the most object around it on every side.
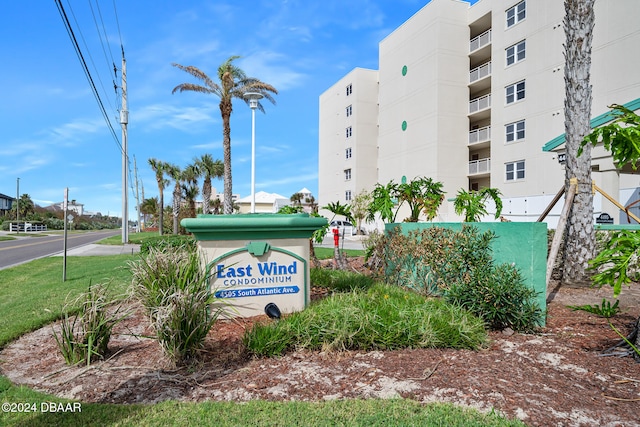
(557, 377)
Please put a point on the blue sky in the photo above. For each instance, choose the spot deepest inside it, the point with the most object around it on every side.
(55, 136)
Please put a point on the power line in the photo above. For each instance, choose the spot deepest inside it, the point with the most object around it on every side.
(104, 30)
(79, 31)
(85, 68)
(117, 22)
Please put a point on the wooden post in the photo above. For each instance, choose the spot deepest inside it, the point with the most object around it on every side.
(551, 205)
(562, 223)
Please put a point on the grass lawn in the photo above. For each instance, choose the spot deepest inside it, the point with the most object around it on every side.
(33, 295)
(326, 253)
(373, 412)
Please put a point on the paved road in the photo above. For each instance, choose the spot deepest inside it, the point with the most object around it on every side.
(24, 249)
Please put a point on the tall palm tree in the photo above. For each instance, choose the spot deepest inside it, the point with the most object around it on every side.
(175, 173)
(208, 169)
(580, 235)
(160, 169)
(234, 83)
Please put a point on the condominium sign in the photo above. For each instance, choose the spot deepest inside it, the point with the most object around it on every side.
(255, 260)
(254, 276)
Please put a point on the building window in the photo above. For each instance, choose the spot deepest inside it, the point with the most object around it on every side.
(347, 174)
(347, 195)
(347, 153)
(349, 89)
(349, 132)
(516, 53)
(516, 14)
(515, 171)
(349, 111)
(515, 92)
(515, 131)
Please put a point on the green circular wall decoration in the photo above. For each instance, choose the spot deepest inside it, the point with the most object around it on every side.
(404, 125)
(404, 70)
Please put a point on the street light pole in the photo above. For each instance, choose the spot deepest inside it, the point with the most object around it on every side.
(253, 98)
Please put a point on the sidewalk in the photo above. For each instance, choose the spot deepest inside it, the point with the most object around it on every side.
(94, 249)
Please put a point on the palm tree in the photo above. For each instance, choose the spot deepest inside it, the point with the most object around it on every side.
(149, 207)
(216, 204)
(311, 201)
(189, 185)
(160, 168)
(296, 199)
(233, 84)
(580, 234)
(208, 168)
(175, 173)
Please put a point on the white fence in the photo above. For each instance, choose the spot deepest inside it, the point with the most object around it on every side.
(26, 226)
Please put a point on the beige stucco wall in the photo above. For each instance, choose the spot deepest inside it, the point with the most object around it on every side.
(434, 95)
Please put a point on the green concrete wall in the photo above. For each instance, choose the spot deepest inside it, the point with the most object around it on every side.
(521, 243)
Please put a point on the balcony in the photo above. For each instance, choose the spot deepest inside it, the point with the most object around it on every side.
(480, 136)
(480, 41)
(480, 72)
(480, 166)
(480, 104)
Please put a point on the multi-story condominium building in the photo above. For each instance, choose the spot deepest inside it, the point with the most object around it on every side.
(473, 96)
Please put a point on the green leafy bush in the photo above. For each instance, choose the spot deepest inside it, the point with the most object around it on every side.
(174, 290)
(618, 262)
(498, 295)
(383, 317)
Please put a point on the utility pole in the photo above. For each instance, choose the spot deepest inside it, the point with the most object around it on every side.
(18, 206)
(124, 120)
(135, 171)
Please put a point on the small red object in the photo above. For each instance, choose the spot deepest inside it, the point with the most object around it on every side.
(336, 237)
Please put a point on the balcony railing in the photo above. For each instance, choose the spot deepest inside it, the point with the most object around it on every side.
(480, 72)
(480, 103)
(479, 166)
(480, 41)
(480, 135)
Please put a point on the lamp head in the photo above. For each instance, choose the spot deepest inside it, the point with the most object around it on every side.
(253, 98)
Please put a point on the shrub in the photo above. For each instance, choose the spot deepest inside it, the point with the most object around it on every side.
(430, 259)
(498, 295)
(174, 290)
(86, 336)
(381, 318)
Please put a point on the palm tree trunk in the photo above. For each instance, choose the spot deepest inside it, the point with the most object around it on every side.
(226, 149)
(580, 234)
(176, 208)
(206, 195)
(161, 209)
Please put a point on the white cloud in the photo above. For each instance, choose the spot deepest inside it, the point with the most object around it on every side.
(269, 67)
(74, 131)
(161, 116)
